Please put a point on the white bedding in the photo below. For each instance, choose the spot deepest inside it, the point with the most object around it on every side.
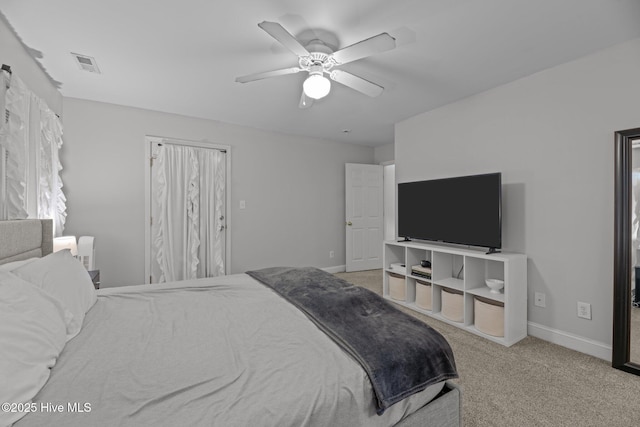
(225, 352)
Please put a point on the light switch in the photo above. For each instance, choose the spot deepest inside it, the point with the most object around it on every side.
(242, 204)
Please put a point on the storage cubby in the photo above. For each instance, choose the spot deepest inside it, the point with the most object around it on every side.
(411, 290)
(465, 271)
(448, 270)
(392, 254)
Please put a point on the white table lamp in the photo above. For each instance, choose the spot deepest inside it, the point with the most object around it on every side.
(65, 242)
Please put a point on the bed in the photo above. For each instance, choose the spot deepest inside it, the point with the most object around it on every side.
(225, 351)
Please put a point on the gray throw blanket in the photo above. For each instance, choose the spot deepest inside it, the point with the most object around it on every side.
(400, 354)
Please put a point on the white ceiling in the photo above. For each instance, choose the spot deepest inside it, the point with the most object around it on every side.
(182, 56)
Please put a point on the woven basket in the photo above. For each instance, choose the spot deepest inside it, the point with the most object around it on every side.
(489, 316)
(423, 295)
(397, 288)
(452, 305)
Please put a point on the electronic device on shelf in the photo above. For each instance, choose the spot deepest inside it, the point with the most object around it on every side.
(398, 267)
(464, 210)
(420, 271)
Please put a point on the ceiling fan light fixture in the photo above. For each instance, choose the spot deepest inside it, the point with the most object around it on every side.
(316, 86)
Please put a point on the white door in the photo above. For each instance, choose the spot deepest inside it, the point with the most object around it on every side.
(364, 216)
(187, 199)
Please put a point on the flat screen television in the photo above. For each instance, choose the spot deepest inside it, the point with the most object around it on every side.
(465, 210)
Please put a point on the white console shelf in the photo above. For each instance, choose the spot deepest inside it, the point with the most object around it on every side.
(474, 267)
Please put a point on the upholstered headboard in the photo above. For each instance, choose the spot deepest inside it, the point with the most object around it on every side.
(25, 238)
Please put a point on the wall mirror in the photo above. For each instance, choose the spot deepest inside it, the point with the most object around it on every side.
(626, 269)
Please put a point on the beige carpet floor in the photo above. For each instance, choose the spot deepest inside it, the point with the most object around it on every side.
(532, 383)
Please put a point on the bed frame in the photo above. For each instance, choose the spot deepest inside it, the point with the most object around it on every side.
(25, 238)
(28, 238)
(445, 410)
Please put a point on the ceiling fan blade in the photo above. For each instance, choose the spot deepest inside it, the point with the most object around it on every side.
(376, 44)
(356, 83)
(267, 74)
(278, 32)
(305, 101)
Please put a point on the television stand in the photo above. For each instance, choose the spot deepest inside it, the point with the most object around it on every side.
(492, 251)
(446, 262)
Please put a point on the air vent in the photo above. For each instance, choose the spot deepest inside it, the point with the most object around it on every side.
(86, 63)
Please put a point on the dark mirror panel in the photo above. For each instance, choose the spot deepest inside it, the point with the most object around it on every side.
(626, 321)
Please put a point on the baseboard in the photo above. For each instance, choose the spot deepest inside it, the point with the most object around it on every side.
(574, 342)
(335, 269)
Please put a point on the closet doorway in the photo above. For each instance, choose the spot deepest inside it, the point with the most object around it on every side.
(187, 215)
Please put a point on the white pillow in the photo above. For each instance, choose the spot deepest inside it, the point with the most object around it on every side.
(65, 278)
(32, 334)
(15, 264)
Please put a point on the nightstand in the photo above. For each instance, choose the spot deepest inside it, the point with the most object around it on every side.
(95, 278)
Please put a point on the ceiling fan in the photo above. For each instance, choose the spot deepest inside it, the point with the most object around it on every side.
(318, 59)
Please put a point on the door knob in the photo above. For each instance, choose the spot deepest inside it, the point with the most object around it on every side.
(349, 223)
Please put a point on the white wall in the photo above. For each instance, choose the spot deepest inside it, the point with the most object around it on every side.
(26, 68)
(551, 136)
(293, 188)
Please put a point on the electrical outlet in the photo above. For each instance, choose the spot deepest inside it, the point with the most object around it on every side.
(540, 299)
(584, 310)
(331, 254)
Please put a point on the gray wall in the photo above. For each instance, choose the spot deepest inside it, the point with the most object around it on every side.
(26, 68)
(551, 136)
(293, 188)
(384, 153)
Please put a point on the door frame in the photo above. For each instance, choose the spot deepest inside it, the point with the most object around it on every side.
(385, 196)
(149, 140)
(3, 183)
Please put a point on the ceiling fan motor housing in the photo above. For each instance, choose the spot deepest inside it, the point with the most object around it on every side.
(317, 45)
(316, 69)
(319, 55)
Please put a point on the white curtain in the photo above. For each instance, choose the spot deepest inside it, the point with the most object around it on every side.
(30, 137)
(51, 199)
(14, 138)
(212, 167)
(190, 194)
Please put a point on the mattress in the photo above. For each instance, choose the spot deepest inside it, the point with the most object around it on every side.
(225, 351)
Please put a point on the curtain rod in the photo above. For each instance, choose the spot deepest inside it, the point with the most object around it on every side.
(177, 143)
(7, 68)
